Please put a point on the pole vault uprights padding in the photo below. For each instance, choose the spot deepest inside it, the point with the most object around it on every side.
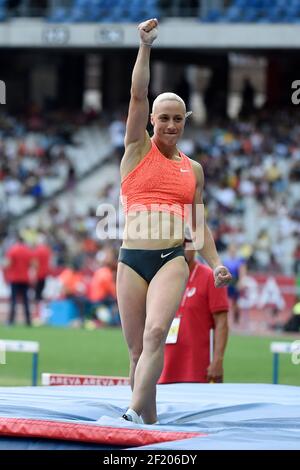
(122, 436)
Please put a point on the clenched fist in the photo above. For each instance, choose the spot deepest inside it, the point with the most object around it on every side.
(222, 276)
(148, 31)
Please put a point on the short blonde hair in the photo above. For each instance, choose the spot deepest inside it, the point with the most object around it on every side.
(169, 96)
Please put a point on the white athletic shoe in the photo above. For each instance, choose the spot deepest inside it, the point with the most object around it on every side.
(132, 416)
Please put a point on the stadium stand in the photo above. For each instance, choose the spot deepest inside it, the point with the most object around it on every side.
(78, 11)
(39, 158)
(258, 11)
(75, 11)
(243, 199)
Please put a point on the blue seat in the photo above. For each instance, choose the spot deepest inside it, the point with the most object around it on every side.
(241, 3)
(212, 16)
(59, 15)
(291, 15)
(3, 14)
(233, 15)
(138, 15)
(118, 14)
(148, 4)
(77, 15)
(264, 20)
(81, 3)
(97, 15)
(255, 4)
(268, 4)
(275, 15)
(292, 10)
(251, 15)
(281, 3)
(98, 5)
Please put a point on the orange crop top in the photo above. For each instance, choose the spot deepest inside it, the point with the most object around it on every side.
(159, 184)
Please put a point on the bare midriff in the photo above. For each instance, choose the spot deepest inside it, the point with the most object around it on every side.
(153, 230)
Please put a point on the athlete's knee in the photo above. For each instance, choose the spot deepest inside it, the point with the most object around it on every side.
(154, 337)
(134, 356)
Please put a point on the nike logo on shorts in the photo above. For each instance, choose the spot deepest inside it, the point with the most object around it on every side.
(167, 254)
(184, 171)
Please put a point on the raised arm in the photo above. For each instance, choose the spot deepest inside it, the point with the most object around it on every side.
(208, 250)
(139, 106)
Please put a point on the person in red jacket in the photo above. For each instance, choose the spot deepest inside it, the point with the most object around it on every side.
(203, 309)
(18, 263)
(42, 255)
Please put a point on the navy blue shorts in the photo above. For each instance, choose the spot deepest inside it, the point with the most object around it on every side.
(146, 263)
(233, 292)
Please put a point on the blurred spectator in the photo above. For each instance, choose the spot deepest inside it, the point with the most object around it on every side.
(247, 98)
(293, 324)
(297, 260)
(237, 267)
(102, 288)
(17, 264)
(295, 171)
(262, 250)
(71, 177)
(42, 256)
(117, 135)
(74, 287)
(34, 188)
(273, 267)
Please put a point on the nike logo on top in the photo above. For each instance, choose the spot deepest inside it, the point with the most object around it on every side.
(184, 171)
(167, 254)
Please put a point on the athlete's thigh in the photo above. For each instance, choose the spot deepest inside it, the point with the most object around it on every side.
(165, 293)
(131, 295)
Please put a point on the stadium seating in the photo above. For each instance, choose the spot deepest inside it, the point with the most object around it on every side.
(103, 11)
(17, 188)
(119, 11)
(258, 11)
(3, 13)
(76, 11)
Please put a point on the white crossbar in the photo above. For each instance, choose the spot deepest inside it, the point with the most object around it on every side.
(20, 346)
(283, 347)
